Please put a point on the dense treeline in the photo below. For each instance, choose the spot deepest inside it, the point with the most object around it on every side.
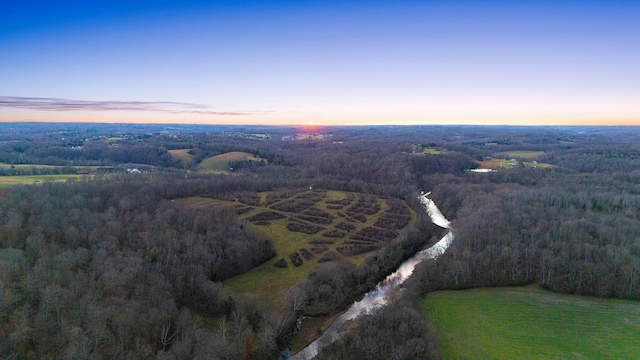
(118, 268)
(87, 152)
(571, 233)
(335, 285)
(102, 270)
(20, 171)
(603, 158)
(393, 332)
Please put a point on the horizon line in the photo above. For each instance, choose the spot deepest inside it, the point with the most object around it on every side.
(306, 125)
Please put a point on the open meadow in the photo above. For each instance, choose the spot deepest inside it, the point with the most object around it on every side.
(531, 323)
(183, 155)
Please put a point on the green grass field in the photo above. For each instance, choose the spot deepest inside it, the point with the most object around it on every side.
(531, 323)
(220, 163)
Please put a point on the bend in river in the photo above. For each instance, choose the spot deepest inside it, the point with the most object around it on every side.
(378, 297)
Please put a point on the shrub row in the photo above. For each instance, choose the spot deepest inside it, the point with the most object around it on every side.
(303, 228)
(267, 215)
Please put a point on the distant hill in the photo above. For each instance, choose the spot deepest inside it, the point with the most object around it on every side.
(221, 162)
(182, 155)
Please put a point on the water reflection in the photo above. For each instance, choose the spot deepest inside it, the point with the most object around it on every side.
(380, 295)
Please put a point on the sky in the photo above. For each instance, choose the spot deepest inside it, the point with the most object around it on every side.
(321, 62)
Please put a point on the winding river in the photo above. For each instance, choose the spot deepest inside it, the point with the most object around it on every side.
(379, 296)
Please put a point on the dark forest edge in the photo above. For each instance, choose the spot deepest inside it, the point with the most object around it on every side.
(113, 268)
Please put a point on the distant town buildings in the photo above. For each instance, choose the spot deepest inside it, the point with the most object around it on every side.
(307, 136)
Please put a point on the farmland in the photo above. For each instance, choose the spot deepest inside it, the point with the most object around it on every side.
(183, 155)
(499, 163)
(431, 151)
(26, 174)
(520, 154)
(513, 159)
(528, 322)
(34, 179)
(220, 163)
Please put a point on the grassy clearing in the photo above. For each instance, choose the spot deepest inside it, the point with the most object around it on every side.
(359, 259)
(312, 327)
(497, 164)
(431, 151)
(263, 196)
(34, 179)
(537, 165)
(335, 195)
(182, 155)
(522, 154)
(270, 282)
(220, 163)
(531, 323)
(267, 281)
(503, 160)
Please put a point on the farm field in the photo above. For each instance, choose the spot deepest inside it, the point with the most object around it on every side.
(33, 179)
(513, 159)
(431, 151)
(496, 164)
(27, 174)
(309, 227)
(531, 323)
(220, 163)
(182, 155)
(523, 154)
(28, 167)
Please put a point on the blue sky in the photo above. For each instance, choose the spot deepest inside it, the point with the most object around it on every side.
(321, 62)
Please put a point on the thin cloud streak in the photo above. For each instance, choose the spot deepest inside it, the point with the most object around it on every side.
(57, 104)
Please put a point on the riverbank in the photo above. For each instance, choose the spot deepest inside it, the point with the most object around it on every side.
(379, 296)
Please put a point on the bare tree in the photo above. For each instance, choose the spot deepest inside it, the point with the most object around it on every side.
(166, 337)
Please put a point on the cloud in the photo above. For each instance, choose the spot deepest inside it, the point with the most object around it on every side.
(55, 104)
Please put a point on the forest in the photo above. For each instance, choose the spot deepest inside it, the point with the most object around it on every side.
(111, 264)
